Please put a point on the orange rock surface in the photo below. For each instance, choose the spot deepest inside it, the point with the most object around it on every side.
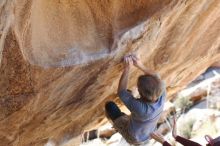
(60, 59)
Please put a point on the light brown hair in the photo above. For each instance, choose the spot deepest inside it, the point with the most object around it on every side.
(150, 87)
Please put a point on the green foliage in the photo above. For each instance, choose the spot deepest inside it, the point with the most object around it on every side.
(186, 128)
(182, 103)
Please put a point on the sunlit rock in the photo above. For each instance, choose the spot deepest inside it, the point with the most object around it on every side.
(60, 59)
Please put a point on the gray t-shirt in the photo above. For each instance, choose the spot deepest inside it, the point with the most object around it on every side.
(144, 116)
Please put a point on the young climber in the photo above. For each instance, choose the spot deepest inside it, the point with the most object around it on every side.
(145, 111)
(185, 142)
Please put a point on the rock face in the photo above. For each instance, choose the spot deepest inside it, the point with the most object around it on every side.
(60, 59)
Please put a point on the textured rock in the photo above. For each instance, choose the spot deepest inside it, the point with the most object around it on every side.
(60, 59)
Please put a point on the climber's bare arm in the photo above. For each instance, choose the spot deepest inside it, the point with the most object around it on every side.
(137, 62)
(123, 82)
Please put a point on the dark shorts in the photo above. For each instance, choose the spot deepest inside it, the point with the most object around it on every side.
(120, 122)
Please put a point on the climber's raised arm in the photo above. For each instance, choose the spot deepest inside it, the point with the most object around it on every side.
(123, 82)
(137, 62)
(150, 104)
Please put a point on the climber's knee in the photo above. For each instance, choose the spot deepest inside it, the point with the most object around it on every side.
(112, 110)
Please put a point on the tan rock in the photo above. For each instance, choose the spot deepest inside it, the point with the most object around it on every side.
(41, 99)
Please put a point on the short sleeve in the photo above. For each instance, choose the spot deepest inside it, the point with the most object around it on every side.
(131, 103)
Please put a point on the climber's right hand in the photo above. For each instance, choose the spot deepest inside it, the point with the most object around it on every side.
(136, 60)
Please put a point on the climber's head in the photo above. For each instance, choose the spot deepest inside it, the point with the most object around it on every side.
(149, 87)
